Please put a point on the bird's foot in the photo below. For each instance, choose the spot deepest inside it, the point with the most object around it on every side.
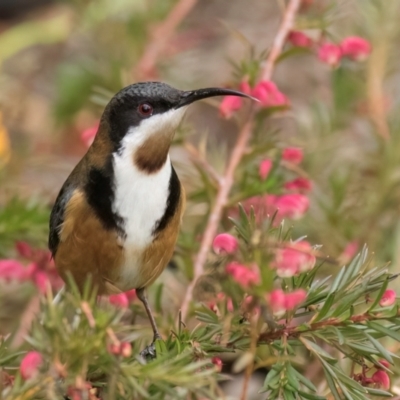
(149, 352)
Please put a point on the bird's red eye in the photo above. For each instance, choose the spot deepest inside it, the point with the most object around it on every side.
(145, 109)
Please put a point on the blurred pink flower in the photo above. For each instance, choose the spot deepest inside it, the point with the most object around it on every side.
(388, 298)
(381, 379)
(218, 363)
(24, 249)
(294, 259)
(383, 362)
(244, 275)
(292, 206)
(330, 53)
(269, 95)
(299, 39)
(349, 252)
(30, 365)
(225, 243)
(294, 299)
(355, 47)
(299, 184)
(119, 300)
(126, 349)
(265, 168)
(280, 302)
(293, 155)
(229, 105)
(41, 281)
(12, 270)
(250, 307)
(88, 135)
(131, 295)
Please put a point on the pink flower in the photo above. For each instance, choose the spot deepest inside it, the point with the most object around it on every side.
(225, 243)
(280, 302)
(292, 206)
(269, 95)
(294, 299)
(41, 281)
(294, 259)
(385, 363)
(88, 135)
(229, 105)
(299, 184)
(293, 155)
(355, 47)
(388, 298)
(349, 252)
(12, 270)
(381, 379)
(30, 365)
(119, 300)
(330, 54)
(244, 275)
(299, 39)
(131, 295)
(265, 168)
(218, 363)
(24, 249)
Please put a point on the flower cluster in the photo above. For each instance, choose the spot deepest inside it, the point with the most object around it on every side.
(266, 92)
(40, 271)
(353, 47)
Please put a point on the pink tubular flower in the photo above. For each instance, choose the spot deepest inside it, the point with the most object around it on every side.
(225, 243)
(381, 379)
(30, 365)
(385, 363)
(88, 135)
(294, 299)
(131, 295)
(388, 298)
(280, 302)
(330, 54)
(269, 95)
(293, 155)
(243, 275)
(355, 47)
(12, 270)
(41, 281)
(218, 363)
(299, 185)
(291, 206)
(228, 105)
(265, 168)
(119, 300)
(294, 259)
(299, 39)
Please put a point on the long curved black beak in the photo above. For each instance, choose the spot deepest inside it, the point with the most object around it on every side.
(194, 95)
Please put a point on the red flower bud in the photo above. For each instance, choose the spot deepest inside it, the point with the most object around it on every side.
(381, 379)
(225, 243)
(355, 47)
(244, 275)
(299, 184)
(293, 155)
(388, 298)
(330, 54)
(30, 365)
(269, 95)
(228, 105)
(299, 39)
(265, 168)
(218, 363)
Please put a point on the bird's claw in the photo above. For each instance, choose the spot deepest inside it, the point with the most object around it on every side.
(149, 352)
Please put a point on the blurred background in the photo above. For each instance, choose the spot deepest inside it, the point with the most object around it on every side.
(61, 61)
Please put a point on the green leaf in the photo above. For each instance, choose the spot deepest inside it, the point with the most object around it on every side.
(310, 396)
(379, 295)
(314, 348)
(384, 329)
(325, 308)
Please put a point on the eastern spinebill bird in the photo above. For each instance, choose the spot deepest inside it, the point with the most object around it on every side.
(117, 216)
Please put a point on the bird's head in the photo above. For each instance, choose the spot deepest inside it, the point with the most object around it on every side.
(145, 116)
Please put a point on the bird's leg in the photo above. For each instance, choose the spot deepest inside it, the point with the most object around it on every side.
(149, 350)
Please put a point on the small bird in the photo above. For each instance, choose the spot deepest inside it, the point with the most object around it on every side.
(118, 214)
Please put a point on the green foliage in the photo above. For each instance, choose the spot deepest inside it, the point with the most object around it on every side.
(23, 220)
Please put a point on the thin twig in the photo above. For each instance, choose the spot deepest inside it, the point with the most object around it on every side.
(279, 41)
(162, 35)
(236, 156)
(202, 162)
